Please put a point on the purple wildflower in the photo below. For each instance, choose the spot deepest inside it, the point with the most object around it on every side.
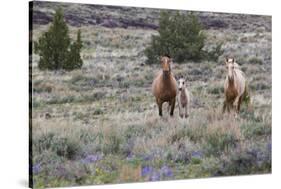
(166, 171)
(155, 176)
(197, 154)
(36, 168)
(269, 146)
(130, 156)
(91, 158)
(147, 170)
(147, 157)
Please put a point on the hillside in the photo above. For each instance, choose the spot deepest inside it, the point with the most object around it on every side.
(100, 124)
(124, 17)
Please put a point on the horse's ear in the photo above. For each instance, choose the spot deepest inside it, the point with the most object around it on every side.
(225, 60)
(171, 60)
(161, 59)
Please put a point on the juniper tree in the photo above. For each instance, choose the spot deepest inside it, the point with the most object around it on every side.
(180, 36)
(55, 49)
(74, 59)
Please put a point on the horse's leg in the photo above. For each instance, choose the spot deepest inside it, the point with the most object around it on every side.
(228, 107)
(180, 108)
(224, 106)
(186, 113)
(159, 103)
(173, 102)
(236, 104)
(239, 104)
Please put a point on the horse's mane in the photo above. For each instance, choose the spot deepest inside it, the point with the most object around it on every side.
(236, 65)
(237, 69)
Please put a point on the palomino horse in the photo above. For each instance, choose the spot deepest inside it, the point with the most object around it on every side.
(164, 86)
(235, 89)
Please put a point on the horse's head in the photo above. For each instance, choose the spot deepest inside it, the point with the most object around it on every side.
(230, 66)
(166, 65)
(181, 84)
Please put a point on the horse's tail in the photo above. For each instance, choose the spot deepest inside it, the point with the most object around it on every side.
(247, 98)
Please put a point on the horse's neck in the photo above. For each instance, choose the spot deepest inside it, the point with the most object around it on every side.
(183, 94)
(167, 80)
(231, 83)
(237, 74)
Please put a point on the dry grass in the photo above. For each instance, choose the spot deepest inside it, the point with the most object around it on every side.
(106, 109)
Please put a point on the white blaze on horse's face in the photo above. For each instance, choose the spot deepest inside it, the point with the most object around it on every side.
(181, 84)
(229, 62)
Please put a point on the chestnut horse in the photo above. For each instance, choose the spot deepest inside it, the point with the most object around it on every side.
(235, 89)
(164, 86)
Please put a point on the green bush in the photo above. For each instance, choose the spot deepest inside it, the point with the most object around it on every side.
(217, 143)
(181, 37)
(55, 48)
(63, 147)
(255, 60)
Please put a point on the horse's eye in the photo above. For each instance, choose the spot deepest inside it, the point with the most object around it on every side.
(183, 83)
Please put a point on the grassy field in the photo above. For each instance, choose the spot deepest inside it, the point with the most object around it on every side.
(100, 124)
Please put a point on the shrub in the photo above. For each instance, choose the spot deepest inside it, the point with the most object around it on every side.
(221, 137)
(111, 144)
(55, 49)
(253, 159)
(74, 60)
(254, 129)
(63, 147)
(181, 37)
(217, 143)
(255, 60)
(216, 89)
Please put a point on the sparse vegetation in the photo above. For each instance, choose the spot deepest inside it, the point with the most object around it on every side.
(100, 124)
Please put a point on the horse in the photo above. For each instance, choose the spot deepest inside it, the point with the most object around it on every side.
(164, 86)
(235, 88)
(183, 98)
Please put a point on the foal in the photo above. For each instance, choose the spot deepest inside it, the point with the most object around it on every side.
(183, 98)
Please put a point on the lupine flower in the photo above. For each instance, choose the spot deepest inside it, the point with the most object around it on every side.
(129, 156)
(166, 171)
(91, 158)
(269, 146)
(147, 170)
(147, 157)
(196, 154)
(36, 168)
(155, 176)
